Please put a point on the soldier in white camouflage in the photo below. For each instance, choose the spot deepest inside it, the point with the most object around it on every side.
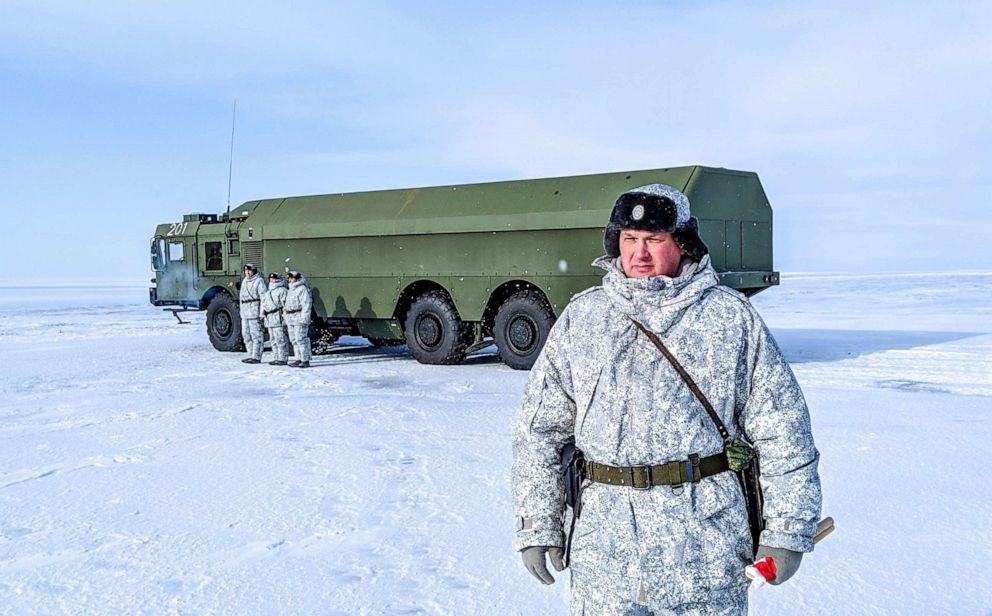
(252, 288)
(676, 544)
(296, 310)
(273, 301)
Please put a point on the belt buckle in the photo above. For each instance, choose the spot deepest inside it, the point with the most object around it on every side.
(693, 469)
(647, 477)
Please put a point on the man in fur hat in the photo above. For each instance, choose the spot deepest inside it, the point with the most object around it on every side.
(250, 297)
(272, 302)
(296, 310)
(663, 527)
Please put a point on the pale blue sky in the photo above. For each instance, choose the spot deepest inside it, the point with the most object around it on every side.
(868, 122)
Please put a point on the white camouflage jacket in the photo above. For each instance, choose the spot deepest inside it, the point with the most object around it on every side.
(298, 303)
(251, 296)
(602, 381)
(272, 303)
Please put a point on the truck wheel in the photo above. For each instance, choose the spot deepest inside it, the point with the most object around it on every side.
(434, 332)
(521, 328)
(224, 323)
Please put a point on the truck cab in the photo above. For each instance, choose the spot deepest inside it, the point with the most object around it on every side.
(193, 259)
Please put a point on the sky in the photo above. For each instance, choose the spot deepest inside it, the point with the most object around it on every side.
(868, 123)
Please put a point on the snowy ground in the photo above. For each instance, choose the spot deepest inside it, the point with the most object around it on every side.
(143, 472)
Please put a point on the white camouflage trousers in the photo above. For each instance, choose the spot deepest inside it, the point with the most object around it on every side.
(298, 334)
(280, 342)
(251, 331)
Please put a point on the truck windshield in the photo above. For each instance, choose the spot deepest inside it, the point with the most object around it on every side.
(158, 254)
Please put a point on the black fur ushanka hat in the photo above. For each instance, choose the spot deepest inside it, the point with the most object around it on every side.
(655, 207)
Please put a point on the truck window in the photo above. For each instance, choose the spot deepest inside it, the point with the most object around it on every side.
(175, 251)
(235, 248)
(158, 252)
(214, 256)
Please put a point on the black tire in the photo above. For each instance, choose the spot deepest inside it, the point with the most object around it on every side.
(521, 328)
(434, 332)
(387, 342)
(224, 323)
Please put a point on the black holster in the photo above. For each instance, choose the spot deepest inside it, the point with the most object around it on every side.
(573, 474)
(754, 502)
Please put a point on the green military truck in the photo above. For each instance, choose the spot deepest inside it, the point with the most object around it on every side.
(446, 269)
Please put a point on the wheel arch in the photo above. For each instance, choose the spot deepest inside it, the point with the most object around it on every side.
(411, 292)
(211, 293)
(501, 293)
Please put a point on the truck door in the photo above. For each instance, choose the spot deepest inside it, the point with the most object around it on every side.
(177, 280)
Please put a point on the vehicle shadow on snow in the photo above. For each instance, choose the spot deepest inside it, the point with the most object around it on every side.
(822, 345)
(363, 354)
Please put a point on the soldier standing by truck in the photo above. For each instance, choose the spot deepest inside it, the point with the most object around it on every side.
(273, 301)
(252, 288)
(662, 524)
(297, 311)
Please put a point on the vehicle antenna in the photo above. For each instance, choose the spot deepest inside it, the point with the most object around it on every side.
(230, 167)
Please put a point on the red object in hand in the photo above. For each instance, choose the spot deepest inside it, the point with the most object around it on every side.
(761, 572)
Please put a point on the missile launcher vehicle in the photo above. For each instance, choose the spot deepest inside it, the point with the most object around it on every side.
(446, 269)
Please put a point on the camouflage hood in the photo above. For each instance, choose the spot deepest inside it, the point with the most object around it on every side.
(656, 301)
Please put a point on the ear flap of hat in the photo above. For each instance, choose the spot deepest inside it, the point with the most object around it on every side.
(611, 240)
(687, 238)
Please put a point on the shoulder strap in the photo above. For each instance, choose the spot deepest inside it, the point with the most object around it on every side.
(722, 429)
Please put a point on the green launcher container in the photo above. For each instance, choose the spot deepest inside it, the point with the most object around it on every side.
(445, 269)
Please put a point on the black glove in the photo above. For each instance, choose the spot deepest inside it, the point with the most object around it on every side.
(537, 565)
(786, 562)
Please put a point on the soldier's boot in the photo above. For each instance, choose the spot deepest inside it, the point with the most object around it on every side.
(250, 360)
(302, 364)
(277, 362)
(295, 363)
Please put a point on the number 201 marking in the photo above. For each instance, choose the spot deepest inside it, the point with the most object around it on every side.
(177, 228)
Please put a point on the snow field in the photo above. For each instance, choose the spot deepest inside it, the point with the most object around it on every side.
(143, 472)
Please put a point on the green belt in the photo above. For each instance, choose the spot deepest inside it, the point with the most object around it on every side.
(668, 474)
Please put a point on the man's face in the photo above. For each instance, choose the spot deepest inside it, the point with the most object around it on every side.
(648, 253)
(249, 273)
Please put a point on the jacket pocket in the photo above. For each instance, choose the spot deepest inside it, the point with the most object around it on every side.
(585, 395)
(702, 556)
(727, 536)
